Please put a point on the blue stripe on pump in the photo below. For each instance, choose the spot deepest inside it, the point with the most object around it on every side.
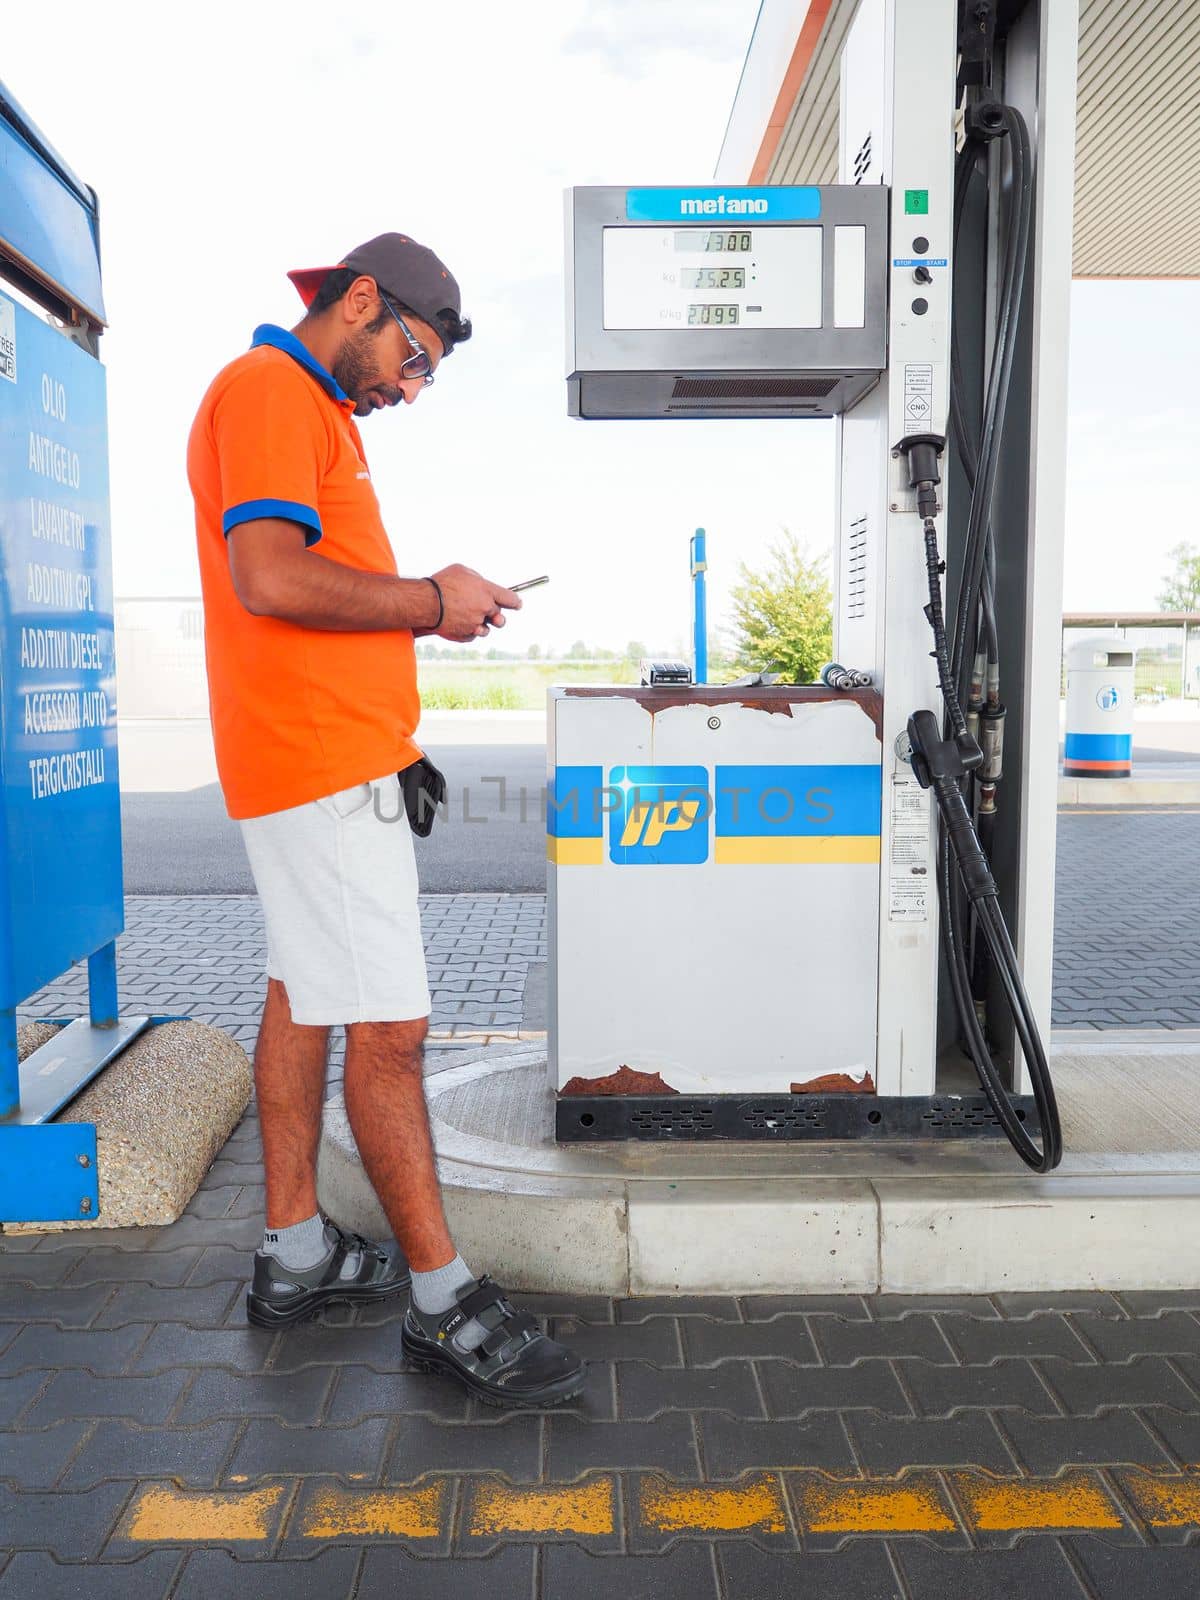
(833, 799)
(576, 803)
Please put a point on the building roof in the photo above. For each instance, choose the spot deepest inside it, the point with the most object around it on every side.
(1137, 179)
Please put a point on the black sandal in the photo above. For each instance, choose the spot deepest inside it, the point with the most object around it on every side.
(515, 1365)
(280, 1295)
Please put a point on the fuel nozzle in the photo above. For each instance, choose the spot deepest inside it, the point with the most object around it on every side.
(923, 452)
(836, 676)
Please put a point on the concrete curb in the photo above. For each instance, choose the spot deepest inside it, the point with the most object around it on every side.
(1127, 792)
(800, 1219)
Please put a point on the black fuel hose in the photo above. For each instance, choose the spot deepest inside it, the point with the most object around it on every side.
(966, 888)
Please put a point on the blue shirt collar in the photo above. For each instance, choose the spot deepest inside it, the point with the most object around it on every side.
(281, 339)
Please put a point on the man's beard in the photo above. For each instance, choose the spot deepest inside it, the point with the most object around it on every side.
(355, 370)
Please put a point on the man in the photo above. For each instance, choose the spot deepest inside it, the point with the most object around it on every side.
(312, 686)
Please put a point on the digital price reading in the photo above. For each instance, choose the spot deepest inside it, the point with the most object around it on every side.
(712, 240)
(712, 277)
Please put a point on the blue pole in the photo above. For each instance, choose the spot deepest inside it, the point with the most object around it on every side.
(700, 626)
(10, 1072)
(102, 986)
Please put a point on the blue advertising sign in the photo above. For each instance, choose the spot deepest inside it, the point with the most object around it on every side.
(45, 216)
(60, 819)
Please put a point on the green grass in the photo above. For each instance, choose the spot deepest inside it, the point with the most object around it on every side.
(509, 685)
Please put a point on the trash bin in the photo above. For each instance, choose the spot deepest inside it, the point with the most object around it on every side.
(1099, 734)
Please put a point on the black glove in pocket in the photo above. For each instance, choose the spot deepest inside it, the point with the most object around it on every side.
(424, 789)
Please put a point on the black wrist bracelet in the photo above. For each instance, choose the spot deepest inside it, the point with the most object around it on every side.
(437, 589)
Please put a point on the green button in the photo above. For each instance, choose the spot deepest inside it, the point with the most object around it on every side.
(916, 202)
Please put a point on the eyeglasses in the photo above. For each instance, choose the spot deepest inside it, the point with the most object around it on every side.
(418, 365)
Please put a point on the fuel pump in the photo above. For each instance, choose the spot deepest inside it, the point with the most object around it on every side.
(830, 300)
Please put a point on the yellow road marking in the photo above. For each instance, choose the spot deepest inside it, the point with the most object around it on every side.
(874, 1508)
(1165, 1502)
(164, 1514)
(758, 1504)
(914, 1506)
(169, 1516)
(412, 1513)
(1075, 1501)
(573, 1508)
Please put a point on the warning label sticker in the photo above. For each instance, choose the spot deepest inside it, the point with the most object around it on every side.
(918, 394)
(910, 874)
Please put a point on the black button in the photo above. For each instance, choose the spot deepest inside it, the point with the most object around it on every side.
(920, 306)
(920, 245)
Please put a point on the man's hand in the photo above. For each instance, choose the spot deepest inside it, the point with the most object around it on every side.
(472, 604)
(276, 575)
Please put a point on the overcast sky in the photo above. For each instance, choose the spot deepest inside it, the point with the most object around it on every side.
(229, 143)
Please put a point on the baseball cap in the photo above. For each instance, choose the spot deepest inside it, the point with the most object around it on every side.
(409, 272)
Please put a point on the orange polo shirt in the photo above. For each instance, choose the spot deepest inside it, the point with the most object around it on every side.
(297, 712)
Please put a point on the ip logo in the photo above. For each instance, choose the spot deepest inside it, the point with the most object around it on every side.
(661, 816)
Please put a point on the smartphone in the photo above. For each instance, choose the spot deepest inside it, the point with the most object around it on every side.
(530, 583)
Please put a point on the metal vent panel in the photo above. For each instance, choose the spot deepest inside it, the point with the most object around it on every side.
(862, 161)
(776, 1119)
(662, 1120)
(753, 388)
(856, 569)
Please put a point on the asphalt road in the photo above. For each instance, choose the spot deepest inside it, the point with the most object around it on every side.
(492, 839)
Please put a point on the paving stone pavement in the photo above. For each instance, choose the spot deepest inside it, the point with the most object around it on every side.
(153, 1444)
(1127, 920)
(204, 956)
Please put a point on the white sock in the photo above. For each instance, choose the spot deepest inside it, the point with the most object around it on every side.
(304, 1244)
(434, 1293)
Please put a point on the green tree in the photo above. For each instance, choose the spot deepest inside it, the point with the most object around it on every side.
(635, 650)
(578, 651)
(534, 652)
(1181, 588)
(783, 616)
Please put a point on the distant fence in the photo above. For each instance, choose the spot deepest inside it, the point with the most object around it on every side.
(1167, 661)
(160, 658)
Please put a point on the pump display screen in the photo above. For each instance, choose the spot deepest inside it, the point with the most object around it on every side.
(765, 277)
(712, 277)
(708, 239)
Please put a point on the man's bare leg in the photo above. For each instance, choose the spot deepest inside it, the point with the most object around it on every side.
(385, 1102)
(289, 1083)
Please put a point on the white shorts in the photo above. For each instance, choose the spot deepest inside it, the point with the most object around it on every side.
(337, 879)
